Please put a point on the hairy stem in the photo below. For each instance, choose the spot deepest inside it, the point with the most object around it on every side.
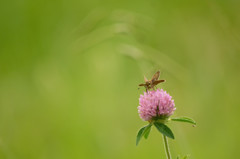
(166, 147)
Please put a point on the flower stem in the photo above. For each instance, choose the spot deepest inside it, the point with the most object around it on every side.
(166, 147)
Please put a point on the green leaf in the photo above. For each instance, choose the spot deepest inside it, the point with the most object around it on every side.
(144, 131)
(139, 135)
(184, 119)
(147, 131)
(162, 128)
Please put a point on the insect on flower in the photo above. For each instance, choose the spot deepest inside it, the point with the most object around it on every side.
(150, 84)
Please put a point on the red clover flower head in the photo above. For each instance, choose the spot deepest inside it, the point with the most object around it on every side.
(155, 105)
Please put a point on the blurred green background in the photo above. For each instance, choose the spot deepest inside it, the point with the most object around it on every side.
(69, 75)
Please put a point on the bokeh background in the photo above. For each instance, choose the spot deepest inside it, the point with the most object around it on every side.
(69, 75)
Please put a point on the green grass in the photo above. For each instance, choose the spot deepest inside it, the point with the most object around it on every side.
(69, 75)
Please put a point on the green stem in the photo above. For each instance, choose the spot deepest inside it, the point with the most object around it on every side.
(166, 147)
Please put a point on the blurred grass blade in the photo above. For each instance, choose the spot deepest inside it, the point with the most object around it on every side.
(164, 129)
(184, 119)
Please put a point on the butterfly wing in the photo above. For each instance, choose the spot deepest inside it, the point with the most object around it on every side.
(145, 79)
(143, 84)
(156, 76)
(157, 82)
